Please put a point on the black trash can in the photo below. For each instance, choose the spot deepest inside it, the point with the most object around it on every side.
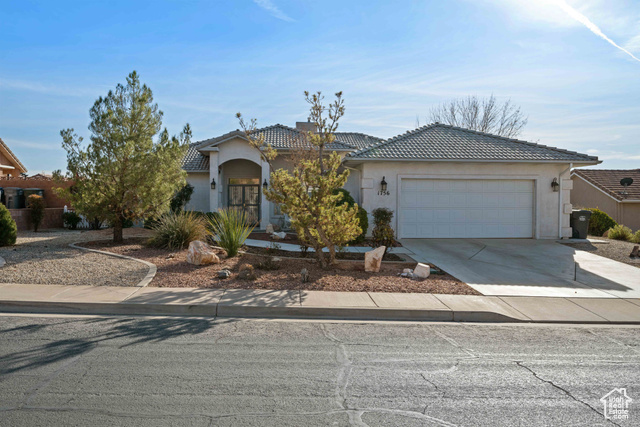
(580, 223)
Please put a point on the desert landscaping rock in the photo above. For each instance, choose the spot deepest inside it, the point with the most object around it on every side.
(270, 229)
(199, 253)
(422, 270)
(45, 258)
(373, 259)
(224, 274)
(279, 235)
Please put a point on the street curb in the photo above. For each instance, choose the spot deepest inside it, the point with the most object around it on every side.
(275, 312)
(144, 282)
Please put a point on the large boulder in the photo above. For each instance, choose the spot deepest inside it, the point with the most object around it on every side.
(422, 271)
(373, 259)
(199, 253)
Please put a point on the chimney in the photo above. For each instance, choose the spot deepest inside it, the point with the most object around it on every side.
(306, 127)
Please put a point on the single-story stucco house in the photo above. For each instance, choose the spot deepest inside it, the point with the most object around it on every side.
(9, 163)
(440, 181)
(601, 188)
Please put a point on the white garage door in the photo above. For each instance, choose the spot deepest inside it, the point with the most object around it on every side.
(472, 208)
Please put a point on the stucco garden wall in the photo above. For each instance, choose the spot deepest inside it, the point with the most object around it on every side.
(546, 203)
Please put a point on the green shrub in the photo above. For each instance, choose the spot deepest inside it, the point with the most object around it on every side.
(8, 228)
(600, 222)
(181, 198)
(36, 204)
(636, 237)
(362, 214)
(382, 234)
(620, 232)
(71, 220)
(229, 229)
(176, 230)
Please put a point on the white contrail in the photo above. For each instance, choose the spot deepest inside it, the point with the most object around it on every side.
(591, 26)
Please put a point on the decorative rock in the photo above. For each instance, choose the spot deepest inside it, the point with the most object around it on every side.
(247, 272)
(305, 275)
(373, 259)
(635, 252)
(270, 229)
(279, 235)
(422, 270)
(200, 253)
(224, 274)
(407, 270)
(276, 259)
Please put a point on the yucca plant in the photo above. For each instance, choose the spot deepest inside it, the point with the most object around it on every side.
(229, 229)
(175, 230)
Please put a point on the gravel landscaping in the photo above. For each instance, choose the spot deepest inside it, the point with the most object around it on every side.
(45, 258)
(174, 271)
(613, 249)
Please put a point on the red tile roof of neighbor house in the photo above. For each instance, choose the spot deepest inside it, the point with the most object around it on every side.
(608, 180)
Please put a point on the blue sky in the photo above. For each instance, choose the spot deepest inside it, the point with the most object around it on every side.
(393, 60)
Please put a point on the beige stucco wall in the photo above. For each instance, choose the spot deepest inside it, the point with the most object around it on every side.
(585, 195)
(201, 187)
(547, 203)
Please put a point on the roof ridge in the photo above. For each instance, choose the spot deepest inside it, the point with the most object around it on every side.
(387, 141)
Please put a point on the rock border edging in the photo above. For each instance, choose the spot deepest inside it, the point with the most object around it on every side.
(144, 282)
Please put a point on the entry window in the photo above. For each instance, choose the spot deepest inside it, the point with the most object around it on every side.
(244, 181)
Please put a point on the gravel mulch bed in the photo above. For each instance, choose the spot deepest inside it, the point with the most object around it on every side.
(616, 250)
(354, 256)
(292, 238)
(45, 258)
(174, 271)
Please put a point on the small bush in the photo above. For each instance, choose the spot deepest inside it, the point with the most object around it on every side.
(362, 214)
(36, 204)
(181, 198)
(600, 222)
(8, 228)
(620, 232)
(636, 237)
(382, 234)
(71, 220)
(229, 229)
(176, 230)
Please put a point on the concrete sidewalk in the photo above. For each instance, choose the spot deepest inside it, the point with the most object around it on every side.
(313, 304)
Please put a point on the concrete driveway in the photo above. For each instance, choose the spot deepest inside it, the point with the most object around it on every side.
(526, 267)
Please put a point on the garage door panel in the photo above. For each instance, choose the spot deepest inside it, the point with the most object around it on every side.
(466, 208)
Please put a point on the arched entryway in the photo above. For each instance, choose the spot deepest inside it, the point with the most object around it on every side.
(241, 187)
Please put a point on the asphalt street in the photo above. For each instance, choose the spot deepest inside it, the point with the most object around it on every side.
(123, 371)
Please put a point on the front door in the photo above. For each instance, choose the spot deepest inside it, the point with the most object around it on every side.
(246, 198)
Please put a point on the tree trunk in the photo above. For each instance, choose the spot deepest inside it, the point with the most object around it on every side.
(117, 230)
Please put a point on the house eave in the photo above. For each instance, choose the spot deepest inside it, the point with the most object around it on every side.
(366, 159)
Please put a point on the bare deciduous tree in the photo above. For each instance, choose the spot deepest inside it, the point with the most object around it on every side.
(481, 114)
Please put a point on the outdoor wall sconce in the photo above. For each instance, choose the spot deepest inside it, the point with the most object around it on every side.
(213, 184)
(383, 185)
(555, 185)
(265, 185)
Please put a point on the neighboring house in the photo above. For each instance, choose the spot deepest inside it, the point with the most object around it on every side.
(599, 188)
(9, 163)
(441, 181)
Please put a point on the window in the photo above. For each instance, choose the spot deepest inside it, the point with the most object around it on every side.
(244, 181)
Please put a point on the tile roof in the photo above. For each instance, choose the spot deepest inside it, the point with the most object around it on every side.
(194, 160)
(444, 142)
(280, 137)
(608, 180)
(13, 156)
(357, 140)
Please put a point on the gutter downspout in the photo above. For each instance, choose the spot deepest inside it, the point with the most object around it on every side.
(560, 201)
